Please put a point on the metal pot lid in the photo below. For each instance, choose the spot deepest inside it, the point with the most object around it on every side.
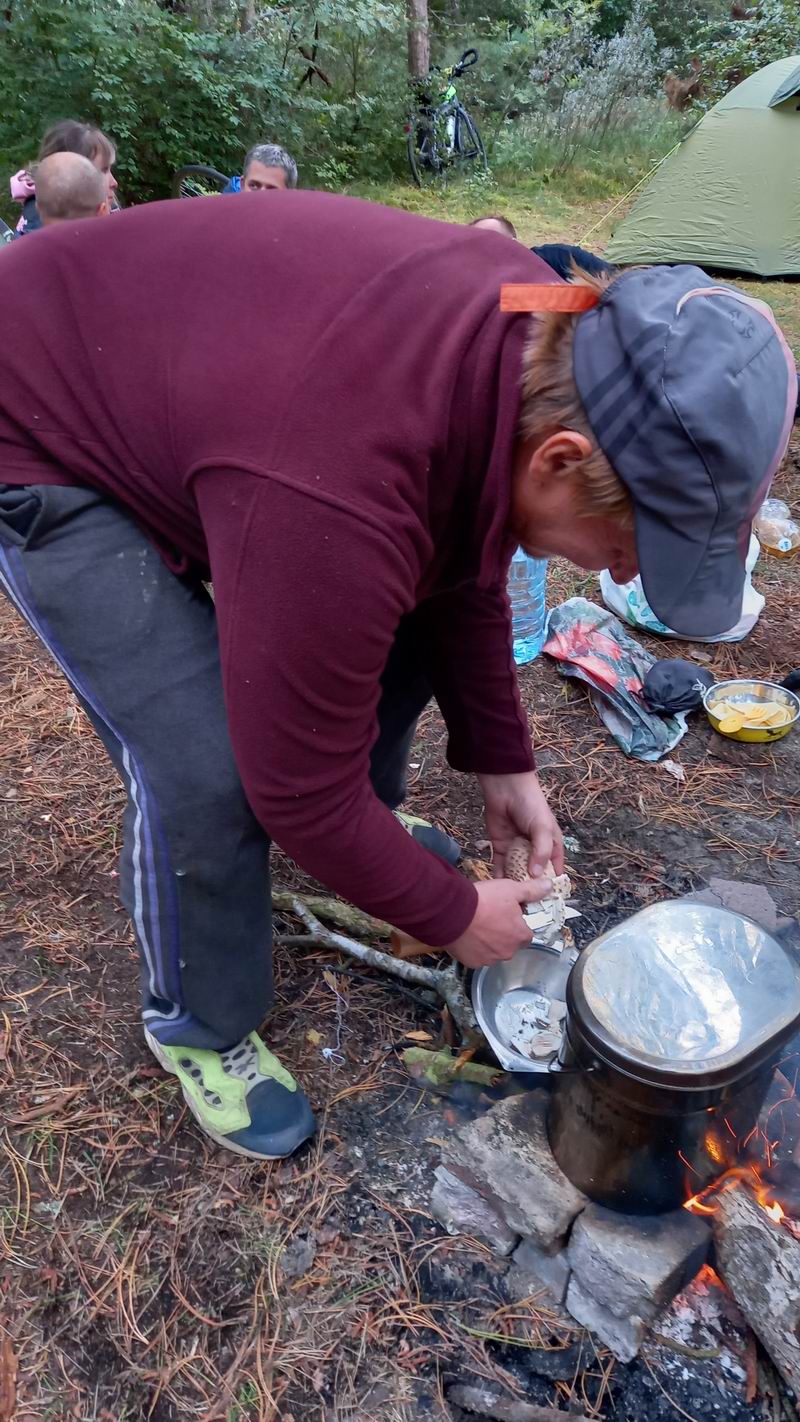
(685, 989)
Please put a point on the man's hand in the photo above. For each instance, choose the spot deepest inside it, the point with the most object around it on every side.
(516, 805)
(498, 928)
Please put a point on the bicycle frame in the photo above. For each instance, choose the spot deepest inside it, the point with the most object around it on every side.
(439, 122)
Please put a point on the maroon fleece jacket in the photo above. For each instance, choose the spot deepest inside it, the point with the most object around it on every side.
(315, 399)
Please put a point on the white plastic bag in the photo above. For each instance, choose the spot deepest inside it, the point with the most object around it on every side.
(628, 601)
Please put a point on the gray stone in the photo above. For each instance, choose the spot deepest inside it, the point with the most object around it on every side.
(298, 1256)
(753, 900)
(622, 1335)
(463, 1211)
(634, 1265)
(535, 1272)
(506, 1157)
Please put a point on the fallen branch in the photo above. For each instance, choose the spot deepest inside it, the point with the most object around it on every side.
(447, 983)
(485, 1403)
(334, 911)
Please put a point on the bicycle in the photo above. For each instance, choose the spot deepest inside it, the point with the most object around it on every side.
(442, 136)
(198, 180)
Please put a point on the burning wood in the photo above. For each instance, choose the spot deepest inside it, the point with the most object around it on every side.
(754, 1208)
(765, 1160)
(758, 1257)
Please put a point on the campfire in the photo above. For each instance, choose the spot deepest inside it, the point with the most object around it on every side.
(763, 1162)
(576, 1183)
(753, 1207)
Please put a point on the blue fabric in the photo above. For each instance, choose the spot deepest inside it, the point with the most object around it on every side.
(233, 185)
(31, 219)
(559, 255)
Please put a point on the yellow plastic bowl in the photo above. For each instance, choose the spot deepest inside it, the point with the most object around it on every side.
(733, 691)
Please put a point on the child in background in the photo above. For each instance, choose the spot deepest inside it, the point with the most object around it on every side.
(66, 136)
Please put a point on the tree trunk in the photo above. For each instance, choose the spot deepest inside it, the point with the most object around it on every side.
(247, 16)
(419, 48)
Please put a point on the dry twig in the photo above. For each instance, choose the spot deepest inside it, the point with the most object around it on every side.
(446, 983)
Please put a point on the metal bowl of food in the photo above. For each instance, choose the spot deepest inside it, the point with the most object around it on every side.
(746, 710)
(521, 1005)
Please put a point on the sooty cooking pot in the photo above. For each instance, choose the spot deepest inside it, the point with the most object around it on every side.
(676, 1019)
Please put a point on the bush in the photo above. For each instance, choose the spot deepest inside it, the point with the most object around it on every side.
(562, 85)
(143, 75)
(598, 168)
(592, 86)
(737, 48)
(170, 92)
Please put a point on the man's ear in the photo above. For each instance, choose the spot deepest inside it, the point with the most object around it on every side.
(557, 454)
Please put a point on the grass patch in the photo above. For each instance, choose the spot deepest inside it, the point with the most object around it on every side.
(541, 212)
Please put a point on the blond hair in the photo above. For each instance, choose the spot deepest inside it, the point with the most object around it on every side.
(550, 402)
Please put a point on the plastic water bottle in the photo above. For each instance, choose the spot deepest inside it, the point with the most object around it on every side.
(527, 579)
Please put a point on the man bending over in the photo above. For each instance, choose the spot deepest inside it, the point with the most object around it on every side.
(351, 451)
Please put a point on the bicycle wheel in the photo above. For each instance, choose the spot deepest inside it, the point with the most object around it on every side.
(429, 151)
(469, 145)
(198, 180)
(415, 154)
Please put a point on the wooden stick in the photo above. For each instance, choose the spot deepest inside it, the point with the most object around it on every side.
(485, 1403)
(447, 983)
(335, 911)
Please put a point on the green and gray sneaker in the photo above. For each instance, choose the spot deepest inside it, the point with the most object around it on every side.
(243, 1098)
(439, 843)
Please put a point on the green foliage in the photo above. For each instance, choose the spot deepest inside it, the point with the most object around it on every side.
(170, 91)
(145, 76)
(562, 85)
(597, 167)
(736, 48)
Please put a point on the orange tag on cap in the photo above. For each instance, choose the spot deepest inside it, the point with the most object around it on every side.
(550, 296)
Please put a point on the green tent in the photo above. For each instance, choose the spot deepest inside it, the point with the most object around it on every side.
(729, 197)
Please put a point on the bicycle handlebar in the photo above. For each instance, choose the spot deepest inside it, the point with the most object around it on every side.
(468, 58)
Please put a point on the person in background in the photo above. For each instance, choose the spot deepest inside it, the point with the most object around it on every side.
(70, 187)
(558, 255)
(66, 136)
(267, 168)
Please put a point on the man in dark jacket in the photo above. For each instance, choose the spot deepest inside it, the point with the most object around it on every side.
(323, 408)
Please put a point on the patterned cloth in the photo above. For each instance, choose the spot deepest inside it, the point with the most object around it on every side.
(588, 643)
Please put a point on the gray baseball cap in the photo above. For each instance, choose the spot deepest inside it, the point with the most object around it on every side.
(690, 390)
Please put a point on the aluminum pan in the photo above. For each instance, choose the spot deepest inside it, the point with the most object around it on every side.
(537, 969)
(685, 987)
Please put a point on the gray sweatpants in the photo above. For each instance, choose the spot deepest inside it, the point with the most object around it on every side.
(139, 648)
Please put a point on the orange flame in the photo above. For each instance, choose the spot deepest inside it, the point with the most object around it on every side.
(706, 1202)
